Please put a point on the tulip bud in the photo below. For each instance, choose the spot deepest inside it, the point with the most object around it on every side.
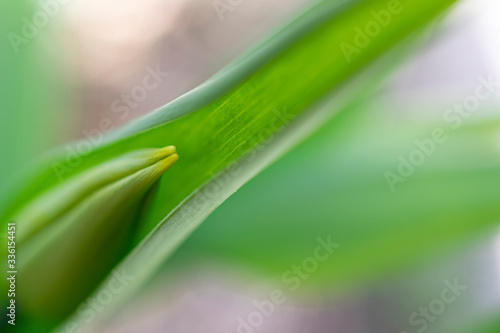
(72, 235)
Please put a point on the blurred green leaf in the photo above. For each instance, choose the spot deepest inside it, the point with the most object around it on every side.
(30, 94)
(488, 325)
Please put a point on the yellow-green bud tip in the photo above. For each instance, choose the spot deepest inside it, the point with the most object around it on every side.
(166, 151)
(168, 157)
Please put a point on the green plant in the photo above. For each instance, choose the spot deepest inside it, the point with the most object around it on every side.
(226, 131)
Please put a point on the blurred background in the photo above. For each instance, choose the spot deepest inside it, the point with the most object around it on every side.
(95, 54)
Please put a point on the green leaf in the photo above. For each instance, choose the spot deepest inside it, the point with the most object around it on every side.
(334, 185)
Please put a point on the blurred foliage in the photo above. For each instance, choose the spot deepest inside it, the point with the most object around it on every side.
(332, 184)
(30, 95)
